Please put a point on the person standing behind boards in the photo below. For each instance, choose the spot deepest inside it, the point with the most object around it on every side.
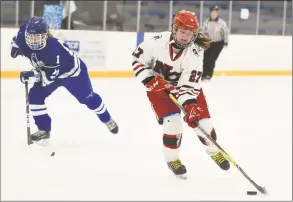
(216, 28)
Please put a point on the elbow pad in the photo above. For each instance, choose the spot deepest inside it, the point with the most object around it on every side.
(15, 50)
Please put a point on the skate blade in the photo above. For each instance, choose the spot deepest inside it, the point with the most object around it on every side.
(184, 176)
(43, 142)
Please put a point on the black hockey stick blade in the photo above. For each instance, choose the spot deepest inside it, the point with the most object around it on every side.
(262, 190)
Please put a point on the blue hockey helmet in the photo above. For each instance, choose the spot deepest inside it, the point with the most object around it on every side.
(36, 33)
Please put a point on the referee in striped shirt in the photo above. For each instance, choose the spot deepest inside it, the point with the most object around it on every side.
(216, 28)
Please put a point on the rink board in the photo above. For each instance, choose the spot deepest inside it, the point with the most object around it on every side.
(109, 54)
(130, 74)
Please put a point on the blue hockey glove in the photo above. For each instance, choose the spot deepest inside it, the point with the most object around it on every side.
(15, 51)
(30, 76)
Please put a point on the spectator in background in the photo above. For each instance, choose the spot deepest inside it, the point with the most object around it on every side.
(68, 7)
(216, 28)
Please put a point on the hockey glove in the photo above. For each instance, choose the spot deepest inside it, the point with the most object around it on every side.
(158, 85)
(30, 76)
(15, 50)
(193, 114)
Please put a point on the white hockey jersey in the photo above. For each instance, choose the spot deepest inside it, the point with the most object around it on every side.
(155, 57)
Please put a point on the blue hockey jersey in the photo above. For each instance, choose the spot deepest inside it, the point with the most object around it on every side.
(54, 61)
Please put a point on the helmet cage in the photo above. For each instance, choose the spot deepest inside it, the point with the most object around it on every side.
(178, 44)
(36, 41)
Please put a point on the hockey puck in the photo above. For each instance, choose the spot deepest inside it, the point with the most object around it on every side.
(53, 154)
(251, 193)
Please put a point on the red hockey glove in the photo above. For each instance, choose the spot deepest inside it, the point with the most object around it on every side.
(158, 85)
(193, 114)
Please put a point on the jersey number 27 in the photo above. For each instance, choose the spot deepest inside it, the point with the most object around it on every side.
(195, 76)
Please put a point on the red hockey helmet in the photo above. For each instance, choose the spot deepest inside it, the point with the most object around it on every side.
(185, 20)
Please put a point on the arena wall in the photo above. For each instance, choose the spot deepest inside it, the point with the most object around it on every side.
(108, 54)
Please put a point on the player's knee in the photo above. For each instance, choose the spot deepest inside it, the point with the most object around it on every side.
(173, 129)
(173, 124)
(214, 135)
(207, 125)
(92, 100)
(31, 96)
(36, 96)
(96, 104)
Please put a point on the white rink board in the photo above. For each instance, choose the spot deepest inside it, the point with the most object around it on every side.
(113, 51)
(99, 50)
(255, 52)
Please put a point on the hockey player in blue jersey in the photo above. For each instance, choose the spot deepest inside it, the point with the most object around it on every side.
(54, 65)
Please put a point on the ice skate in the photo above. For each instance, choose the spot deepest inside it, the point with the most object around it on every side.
(41, 137)
(221, 161)
(112, 126)
(215, 153)
(178, 169)
(206, 78)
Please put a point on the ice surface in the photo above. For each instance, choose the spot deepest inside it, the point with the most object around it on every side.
(252, 117)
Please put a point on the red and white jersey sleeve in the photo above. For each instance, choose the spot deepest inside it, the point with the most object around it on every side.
(188, 86)
(143, 60)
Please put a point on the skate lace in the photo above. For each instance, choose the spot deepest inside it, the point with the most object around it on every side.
(111, 124)
(176, 164)
(219, 158)
(39, 133)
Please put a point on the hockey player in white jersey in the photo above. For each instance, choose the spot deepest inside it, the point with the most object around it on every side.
(173, 61)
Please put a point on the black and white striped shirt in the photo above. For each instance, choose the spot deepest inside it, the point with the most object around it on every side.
(217, 30)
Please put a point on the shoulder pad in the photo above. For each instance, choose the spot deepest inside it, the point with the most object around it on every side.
(22, 27)
(53, 44)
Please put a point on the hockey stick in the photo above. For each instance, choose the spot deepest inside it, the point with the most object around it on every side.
(28, 127)
(227, 156)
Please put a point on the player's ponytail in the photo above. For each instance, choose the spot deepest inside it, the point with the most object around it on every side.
(203, 41)
(50, 34)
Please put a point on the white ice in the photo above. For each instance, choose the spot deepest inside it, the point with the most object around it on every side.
(251, 115)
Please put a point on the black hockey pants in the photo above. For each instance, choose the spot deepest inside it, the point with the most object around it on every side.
(210, 57)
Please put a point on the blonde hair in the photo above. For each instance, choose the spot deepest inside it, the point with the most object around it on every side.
(50, 34)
